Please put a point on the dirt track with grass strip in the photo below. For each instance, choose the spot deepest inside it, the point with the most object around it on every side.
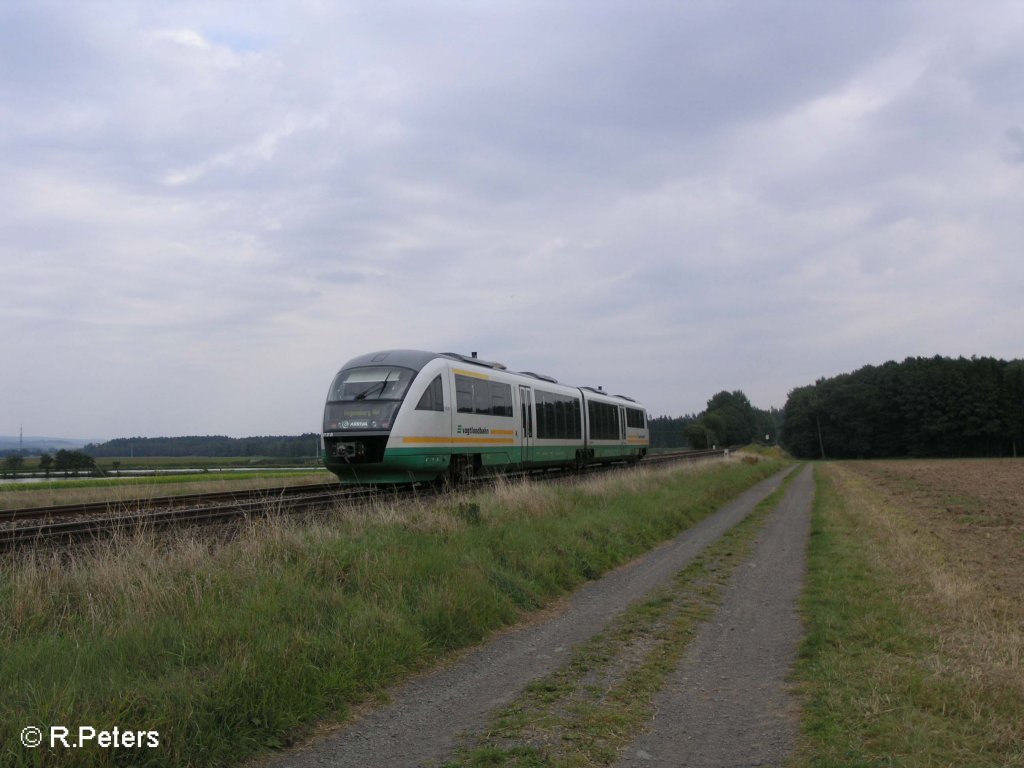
(729, 704)
(430, 717)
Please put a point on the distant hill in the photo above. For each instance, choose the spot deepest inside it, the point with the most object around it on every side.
(34, 444)
(293, 446)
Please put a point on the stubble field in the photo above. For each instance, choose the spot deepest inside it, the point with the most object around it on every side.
(916, 614)
(974, 509)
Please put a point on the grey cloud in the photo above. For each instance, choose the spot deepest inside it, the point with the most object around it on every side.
(728, 195)
(1015, 134)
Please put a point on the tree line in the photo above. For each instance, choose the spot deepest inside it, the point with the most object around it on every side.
(292, 446)
(729, 419)
(926, 407)
(66, 461)
(669, 431)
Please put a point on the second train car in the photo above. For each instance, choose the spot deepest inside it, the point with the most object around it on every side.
(402, 416)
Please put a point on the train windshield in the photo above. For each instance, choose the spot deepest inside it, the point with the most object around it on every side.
(378, 383)
(366, 398)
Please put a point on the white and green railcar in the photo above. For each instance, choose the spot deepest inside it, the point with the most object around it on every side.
(402, 416)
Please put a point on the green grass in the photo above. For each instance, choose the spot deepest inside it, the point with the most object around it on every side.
(584, 713)
(878, 688)
(229, 648)
(209, 468)
(771, 451)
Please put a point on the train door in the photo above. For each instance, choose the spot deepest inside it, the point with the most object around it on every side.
(526, 423)
(622, 424)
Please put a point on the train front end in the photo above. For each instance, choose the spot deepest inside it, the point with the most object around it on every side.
(362, 406)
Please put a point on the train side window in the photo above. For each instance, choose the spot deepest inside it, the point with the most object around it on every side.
(464, 394)
(604, 421)
(635, 418)
(501, 399)
(481, 397)
(543, 418)
(558, 416)
(433, 397)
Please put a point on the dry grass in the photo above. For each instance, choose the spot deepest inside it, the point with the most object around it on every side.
(637, 478)
(136, 565)
(532, 499)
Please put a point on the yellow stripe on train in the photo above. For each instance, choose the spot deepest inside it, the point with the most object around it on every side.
(458, 440)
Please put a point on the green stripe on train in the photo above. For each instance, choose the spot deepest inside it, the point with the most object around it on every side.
(422, 463)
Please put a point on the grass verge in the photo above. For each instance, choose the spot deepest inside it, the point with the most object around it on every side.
(883, 682)
(585, 713)
(229, 648)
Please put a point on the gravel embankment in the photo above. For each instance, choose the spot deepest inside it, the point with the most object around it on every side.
(729, 703)
(423, 723)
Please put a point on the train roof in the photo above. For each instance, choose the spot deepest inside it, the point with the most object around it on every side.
(404, 358)
(601, 393)
(474, 360)
(416, 359)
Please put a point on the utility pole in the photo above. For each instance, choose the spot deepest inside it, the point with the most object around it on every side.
(821, 443)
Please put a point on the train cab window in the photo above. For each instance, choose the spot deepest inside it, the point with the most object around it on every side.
(372, 383)
(433, 397)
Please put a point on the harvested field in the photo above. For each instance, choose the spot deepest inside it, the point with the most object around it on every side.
(974, 509)
(917, 612)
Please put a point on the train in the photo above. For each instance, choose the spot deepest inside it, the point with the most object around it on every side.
(409, 416)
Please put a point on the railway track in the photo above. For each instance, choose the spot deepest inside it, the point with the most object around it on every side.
(77, 522)
(165, 502)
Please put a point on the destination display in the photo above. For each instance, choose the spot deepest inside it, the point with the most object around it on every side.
(359, 415)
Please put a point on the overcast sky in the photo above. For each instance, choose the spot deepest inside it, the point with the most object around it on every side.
(206, 208)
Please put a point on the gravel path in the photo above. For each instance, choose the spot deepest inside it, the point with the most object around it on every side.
(422, 724)
(729, 704)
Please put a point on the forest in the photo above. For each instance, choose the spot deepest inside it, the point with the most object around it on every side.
(922, 407)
